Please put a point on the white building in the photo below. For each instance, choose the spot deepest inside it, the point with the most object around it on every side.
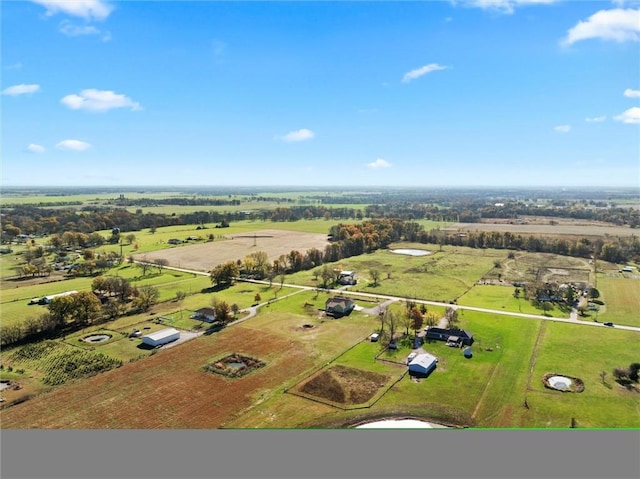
(161, 337)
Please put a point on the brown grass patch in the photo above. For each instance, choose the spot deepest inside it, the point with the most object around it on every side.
(345, 385)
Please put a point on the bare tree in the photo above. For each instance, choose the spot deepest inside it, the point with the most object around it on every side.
(375, 276)
(392, 321)
(161, 263)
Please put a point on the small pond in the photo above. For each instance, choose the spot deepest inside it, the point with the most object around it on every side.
(411, 252)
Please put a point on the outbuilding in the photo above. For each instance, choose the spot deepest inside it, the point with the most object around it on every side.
(161, 337)
(422, 365)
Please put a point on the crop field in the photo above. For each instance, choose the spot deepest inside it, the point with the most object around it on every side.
(622, 300)
(560, 229)
(205, 256)
(171, 390)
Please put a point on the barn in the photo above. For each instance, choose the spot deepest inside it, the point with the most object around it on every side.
(161, 337)
(422, 365)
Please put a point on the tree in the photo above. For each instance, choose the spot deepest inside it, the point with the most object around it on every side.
(431, 319)
(144, 265)
(375, 276)
(235, 308)
(147, 297)
(130, 238)
(224, 274)
(161, 263)
(634, 369)
(417, 319)
(603, 374)
(223, 311)
(391, 321)
(326, 274)
(452, 317)
(257, 298)
(81, 308)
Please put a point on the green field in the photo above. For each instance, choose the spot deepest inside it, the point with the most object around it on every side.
(501, 298)
(622, 300)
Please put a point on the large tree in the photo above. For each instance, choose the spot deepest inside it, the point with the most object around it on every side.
(146, 297)
(225, 273)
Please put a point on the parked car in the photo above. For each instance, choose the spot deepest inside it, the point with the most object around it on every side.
(610, 324)
(411, 356)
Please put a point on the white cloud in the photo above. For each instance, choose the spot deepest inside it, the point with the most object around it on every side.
(99, 100)
(503, 6)
(33, 148)
(632, 116)
(72, 30)
(73, 145)
(379, 163)
(418, 72)
(21, 89)
(595, 119)
(619, 25)
(87, 9)
(298, 135)
(629, 93)
(563, 128)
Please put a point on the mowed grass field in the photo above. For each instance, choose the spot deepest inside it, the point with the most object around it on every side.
(622, 300)
(500, 297)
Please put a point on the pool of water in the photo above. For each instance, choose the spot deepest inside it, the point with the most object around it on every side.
(560, 382)
(411, 252)
(399, 424)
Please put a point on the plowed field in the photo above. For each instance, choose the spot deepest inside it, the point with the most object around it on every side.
(169, 390)
(205, 256)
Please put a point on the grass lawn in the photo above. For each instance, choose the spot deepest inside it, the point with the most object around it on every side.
(501, 297)
(584, 352)
(622, 300)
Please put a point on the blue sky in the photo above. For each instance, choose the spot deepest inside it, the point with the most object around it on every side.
(433, 93)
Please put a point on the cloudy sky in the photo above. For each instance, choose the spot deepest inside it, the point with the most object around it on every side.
(435, 93)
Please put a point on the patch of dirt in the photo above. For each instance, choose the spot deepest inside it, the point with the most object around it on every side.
(235, 365)
(345, 385)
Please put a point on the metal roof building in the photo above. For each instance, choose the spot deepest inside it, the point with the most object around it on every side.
(161, 337)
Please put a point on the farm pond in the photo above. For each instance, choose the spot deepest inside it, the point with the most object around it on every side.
(411, 252)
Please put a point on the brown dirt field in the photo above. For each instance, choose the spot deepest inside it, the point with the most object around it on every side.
(169, 390)
(205, 256)
(345, 385)
(560, 229)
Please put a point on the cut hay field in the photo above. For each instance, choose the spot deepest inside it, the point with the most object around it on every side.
(622, 300)
(205, 256)
(560, 229)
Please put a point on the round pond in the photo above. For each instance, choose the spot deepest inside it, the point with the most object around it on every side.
(97, 338)
(560, 382)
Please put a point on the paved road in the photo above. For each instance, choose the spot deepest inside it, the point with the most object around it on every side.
(386, 299)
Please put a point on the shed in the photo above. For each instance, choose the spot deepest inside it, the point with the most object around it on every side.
(161, 337)
(422, 365)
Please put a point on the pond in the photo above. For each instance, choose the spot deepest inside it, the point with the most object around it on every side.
(411, 252)
(399, 424)
(560, 382)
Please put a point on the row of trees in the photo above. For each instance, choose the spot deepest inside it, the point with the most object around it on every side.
(110, 298)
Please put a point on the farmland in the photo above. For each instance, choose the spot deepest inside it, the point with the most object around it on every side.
(318, 371)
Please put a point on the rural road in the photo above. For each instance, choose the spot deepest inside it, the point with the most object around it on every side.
(573, 318)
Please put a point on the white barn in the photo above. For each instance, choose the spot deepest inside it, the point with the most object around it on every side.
(422, 364)
(161, 337)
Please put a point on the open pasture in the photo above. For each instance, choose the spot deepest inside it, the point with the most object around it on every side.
(580, 352)
(622, 300)
(500, 297)
(441, 276)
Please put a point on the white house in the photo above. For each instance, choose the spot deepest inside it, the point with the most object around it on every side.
(161, 337)
(422, 364)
